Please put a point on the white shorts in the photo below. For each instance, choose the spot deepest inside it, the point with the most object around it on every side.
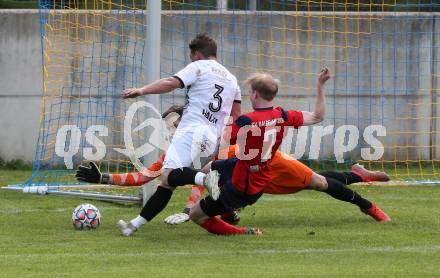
(191, 147)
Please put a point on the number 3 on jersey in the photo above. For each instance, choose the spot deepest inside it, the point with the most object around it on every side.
(218, 98)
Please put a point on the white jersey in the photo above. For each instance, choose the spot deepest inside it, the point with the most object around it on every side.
(212, 90)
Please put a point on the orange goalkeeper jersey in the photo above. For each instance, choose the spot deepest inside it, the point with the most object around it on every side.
(139, 178)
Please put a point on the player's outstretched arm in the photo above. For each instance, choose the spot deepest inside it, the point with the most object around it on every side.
(92, 174)
(160, 86)
(236, 110)
(318, 115)
(138, 178)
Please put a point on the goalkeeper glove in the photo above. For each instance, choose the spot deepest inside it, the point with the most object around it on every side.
(91, 175)
(177, 218)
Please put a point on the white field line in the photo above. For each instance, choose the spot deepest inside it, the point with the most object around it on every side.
(384, 249)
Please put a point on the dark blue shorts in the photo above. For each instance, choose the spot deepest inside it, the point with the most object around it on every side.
(225, 167)
(230, 199)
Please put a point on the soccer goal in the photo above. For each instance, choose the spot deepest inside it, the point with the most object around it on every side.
(382, 106)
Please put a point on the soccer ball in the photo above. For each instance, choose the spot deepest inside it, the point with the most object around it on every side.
(86, 216)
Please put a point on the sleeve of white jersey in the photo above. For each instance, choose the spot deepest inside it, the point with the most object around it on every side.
(237, 97)
(188, 75)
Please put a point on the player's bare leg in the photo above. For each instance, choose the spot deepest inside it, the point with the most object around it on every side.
(195, 195)
(231, 217)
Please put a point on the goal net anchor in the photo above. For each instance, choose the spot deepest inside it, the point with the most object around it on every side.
(78, 191)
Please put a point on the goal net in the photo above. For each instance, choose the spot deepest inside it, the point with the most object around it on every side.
(381, 102)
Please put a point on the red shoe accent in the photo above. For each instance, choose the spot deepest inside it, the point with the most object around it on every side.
(367, 175)
(377, 213)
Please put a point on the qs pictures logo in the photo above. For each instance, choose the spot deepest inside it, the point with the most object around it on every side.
(69, 137)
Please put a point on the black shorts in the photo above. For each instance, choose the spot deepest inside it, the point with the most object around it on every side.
(230, 199)
(225, 168)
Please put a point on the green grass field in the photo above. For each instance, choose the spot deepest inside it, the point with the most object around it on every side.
(307, 234)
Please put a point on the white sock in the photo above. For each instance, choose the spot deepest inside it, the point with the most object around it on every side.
(138, 221)
(199, 178)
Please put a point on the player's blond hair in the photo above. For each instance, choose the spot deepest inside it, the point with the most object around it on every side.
(264, 84)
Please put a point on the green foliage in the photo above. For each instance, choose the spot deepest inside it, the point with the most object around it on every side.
(14, 4)
(306, 234)
(15, 164)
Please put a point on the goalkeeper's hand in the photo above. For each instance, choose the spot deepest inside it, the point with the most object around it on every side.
(91, 175)
(177, 218)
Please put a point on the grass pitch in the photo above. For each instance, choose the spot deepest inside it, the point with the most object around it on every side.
(306, 234)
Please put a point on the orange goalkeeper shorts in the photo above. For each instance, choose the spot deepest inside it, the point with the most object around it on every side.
(288, 175)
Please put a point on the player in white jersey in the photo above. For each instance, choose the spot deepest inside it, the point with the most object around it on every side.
(212, 90)
(213, 94)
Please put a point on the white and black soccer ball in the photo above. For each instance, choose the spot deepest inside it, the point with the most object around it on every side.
(86, 216)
